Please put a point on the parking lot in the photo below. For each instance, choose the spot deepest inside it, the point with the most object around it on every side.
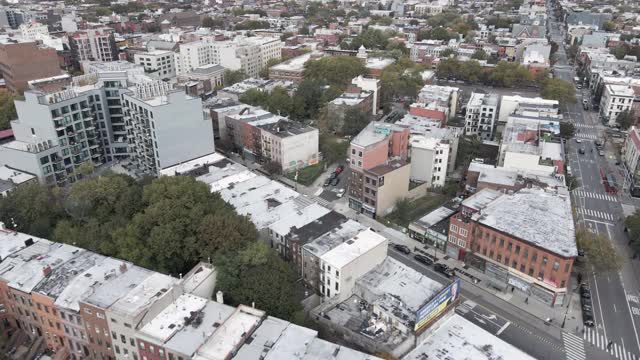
(332, 192)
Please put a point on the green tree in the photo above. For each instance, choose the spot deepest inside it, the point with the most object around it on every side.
(567, 129)
(480, 55)
(334, 70)
(508, 74)
(333, 148)
(257, 275)
(632, 224)
(7, 109)
(448, 68)
(447, 53)
(354, 121)
(625, 119)
(33, 209)
(402, 211)
(620, 51)
(279, 101)
(272, 167)
(103, 11)
(470, 71)
(255, 97)
(213, 23)
(309, 97)
(440, 33)
(252, 25)
(609, 26)
(599, 251)
(233, 76)
(558, 89)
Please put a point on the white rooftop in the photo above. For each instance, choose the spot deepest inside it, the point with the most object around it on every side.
(401, 282)
(540, 217)
(460, 339)
(192, 164)
(320, 349)
(333, 238)
(117, 284)
(12, 242)
(230, 334)
(144, 294)
(294, 64)
(480, 199)
(292, 344)
(350, 250)
(15, 176)
(298, 219)
(171, 319)
(263, 339)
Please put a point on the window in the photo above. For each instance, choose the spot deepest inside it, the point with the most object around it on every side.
(117, 349)
(123, 339)
(464, 232)
(514, 264)
(114, 321)
(501, 243)
(142, 345)
(556, 266)
(499, 258)
(454, 228)
(100, 315)
(491, 254)
(566, 267)
(562, 283)
(530, 271)
(484, 251)
(506, 261)
(522, 268)
(336, 286)
(517, 249)
(337, 273)
(132, 342)
(353, 151)
(509, 245)
(88, 311)
(544, 260)
(540, 275)
(534, 257)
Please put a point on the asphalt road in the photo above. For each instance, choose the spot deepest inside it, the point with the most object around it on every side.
(616, 316)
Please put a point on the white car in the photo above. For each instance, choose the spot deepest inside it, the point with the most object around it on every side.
(578, 141)
(340, 193)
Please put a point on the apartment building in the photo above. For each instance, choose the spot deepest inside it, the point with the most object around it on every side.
(156, 116)
(510, 104)
(615, 99)
(93, 45)
(202, 81)
(21, 62)
(33, 31)
(292, 69)
(344, 264)
(482, 112)
(159, 64)
(631, 159)
(379, 171)
(429, 160)
(446, 96)
(373, 85)
(524, 240)
(250, 55)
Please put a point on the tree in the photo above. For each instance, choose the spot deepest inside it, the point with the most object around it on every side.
(279, 101)
(252, 25)
(212, 23)
(334, 70)
(508, 74)
(625, 119)
(448, 68)
(447, 53)
(257, 275)
(609, 26)
(402, 211)
(599, 251)
(558, 89)
(440, 33)
(567, 129)
(233, 76)
(354, 121)
(272, 167)
(33, 209)
(255, 97)
(333, 149)
(480, 55)
(620, 51)
(103, 11)
(86, 168)
(632, 224)
(7, 109)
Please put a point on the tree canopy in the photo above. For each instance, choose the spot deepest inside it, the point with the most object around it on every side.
(558, 89)
(508, 74)
(598, 250)
(233, 76)
(625, 119)
(334, 70)
(7, 109)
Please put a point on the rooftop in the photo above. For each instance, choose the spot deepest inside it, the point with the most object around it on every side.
(172, 318)
(143, 295)
(294, 64)
(54, 284)
(374, 132)
(117, 284)
(317, 227)
(230, 335)
(459, 339)
(12, 241)
(298, 219)
(292, 343)
(480, 199)
(388, 167)
(262, 339)
(540, 217)
(334, 237)
(185, 167)
(353, 248)
(379, 63)
(285, 128)
(621, 90)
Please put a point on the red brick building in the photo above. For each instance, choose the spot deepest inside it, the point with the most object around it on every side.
(524, 240)
(21, 62)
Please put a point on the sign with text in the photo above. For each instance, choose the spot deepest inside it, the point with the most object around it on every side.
(437, 304)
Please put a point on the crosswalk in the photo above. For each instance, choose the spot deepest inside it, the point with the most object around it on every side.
(596, 214)
(600, 341)
(573, 346)
(587, 126)
(587, 136)
(595, 195)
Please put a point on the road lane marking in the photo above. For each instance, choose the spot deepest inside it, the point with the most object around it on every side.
(633, 322)
(503, 328)
(604, 328)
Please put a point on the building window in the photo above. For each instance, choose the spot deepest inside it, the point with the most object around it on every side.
(509, 245)
(491, 254)
(556, 266)
(566, 267)
(463, 232)
(113, 335)
(501, 243)
(562, 283)
(454, 228)
(514, 264)
(506, 261)
(531, 271)
(544, 260)
(534, 257)
(517, 249)
(499, 258)
(540, 275)
(522, 268)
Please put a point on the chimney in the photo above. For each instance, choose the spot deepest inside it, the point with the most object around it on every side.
(123, 267)
(46, 271)
(220, 297)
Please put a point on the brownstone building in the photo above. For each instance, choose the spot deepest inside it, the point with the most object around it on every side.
(21, 62)
(523, 240)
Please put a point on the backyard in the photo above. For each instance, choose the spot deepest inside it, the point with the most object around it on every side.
(407, 211)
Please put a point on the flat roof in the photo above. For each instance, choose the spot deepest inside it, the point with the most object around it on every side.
(83, 285)
(435, 216)
(12, 241)
(54, 284)
(292, 343)
(117, 284)
(298, 219)
(480, 199)
(317, 227)
(294, 64)
(172, 318)
(372, 133)
(334, 237)
(262, 339)
(319, 349)
(15, 176)
(190, 337)
(540, 217)
(353, 248)
(144, 294)
(460, 339)
(191, 164)
(230, 334)
(394, 278)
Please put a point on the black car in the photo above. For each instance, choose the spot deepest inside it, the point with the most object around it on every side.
(402, 248)
(585, 301)
(443, 269)
(423, 259)
(585, 294)
(586, 307)
(335, 181)
(581, 151)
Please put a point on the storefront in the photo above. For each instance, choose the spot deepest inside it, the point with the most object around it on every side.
(543, 295)
(498, 276)
(475, 261)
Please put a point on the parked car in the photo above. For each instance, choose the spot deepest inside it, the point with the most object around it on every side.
(587, 318)
(601, 152)
(443, 269)
(423, 259)
(585, 294)
(335, 181)
(340, 193)
(402, 248)
(581, 151)
(339, 169)
(578, 141)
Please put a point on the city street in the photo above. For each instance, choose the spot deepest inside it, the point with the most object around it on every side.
(614, 295)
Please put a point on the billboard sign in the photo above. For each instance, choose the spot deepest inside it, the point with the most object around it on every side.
(437, 305)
